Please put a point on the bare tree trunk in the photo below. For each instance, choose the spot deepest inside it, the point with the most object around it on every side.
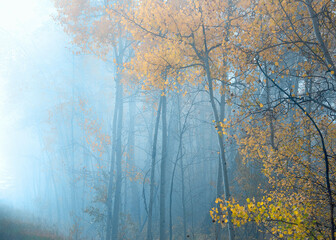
(220, 187)
(270, 114)
(182, 129)
(131, 143)
(184, 215)
(220, 194)
(220, 138)
(110, 184)
(191, 207)
(171, 196)
(163, 170)
(178, 157)
(308, 89)
(317, 31)
(152, 177)
(314, 17)
(116, 207)
(73, 170)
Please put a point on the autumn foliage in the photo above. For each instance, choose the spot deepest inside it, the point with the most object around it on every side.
(273, 61)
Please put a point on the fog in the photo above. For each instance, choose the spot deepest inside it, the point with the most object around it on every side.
(167, 120)
(48, 170)
(27, 34)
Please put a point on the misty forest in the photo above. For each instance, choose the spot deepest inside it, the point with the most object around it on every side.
(167, 119)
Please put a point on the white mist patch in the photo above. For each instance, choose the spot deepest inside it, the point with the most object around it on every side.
(6, 179)
(20, 16)
(20, 22)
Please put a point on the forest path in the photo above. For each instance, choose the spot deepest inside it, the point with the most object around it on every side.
(17, 226)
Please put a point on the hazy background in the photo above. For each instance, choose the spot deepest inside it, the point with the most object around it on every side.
(33, 57)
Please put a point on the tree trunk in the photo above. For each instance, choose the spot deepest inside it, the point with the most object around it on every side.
(184, 215)
(178, 157)
(220, 139)
(208, 76)
(131, 143)
(308, 89)
(270, 114)
(171, 197)
(116, 207)
(314, 17)
(110, 184)
(163, 170)
(152, 177)
(182, 129)
(220, 194)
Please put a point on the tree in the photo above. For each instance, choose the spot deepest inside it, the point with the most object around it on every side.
(91, 29)
(181, 35)
(282, 50)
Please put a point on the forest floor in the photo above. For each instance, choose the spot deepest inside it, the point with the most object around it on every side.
(15, 225)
